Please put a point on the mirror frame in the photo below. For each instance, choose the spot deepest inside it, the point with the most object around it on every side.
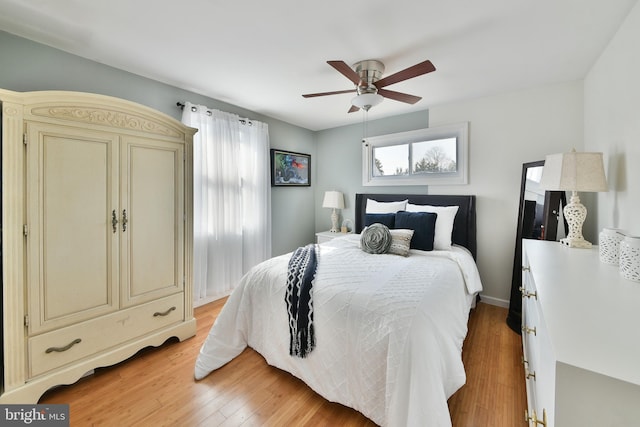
(552, 201)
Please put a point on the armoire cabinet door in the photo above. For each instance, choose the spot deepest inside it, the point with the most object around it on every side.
(152, 212)
(72, 251)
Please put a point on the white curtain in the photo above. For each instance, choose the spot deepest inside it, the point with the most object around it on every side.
(232, 199)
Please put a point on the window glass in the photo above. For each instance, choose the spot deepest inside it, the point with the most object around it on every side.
(391, 160)
(436, 156)
(432, 156)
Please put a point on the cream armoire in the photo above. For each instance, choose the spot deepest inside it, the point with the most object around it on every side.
(96, 236)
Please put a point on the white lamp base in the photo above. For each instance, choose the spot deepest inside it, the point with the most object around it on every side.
(334, 221)
(576, 243)
(575, 213)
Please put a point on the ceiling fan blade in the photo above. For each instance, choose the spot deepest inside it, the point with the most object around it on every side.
(408, 73)
(353, 109)
(311, 95)
(399, 96)
(345, 70)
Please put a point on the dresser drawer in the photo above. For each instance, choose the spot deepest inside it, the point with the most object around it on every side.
(58, 348)
(530, 350)
(537, 349)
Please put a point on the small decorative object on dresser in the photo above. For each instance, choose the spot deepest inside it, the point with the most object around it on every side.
(630, 258)
(609, 245)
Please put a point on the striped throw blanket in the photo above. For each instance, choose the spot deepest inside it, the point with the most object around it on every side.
(299, 298)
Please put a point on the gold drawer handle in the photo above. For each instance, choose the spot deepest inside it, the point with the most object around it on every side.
(534, 418)
(529, 330)
(65, 348)
(164, 313)
(527, 294)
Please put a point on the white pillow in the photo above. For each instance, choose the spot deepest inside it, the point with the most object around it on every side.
(444, 223)
(373, 206)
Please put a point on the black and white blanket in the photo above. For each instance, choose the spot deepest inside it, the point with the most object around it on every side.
(299, 298)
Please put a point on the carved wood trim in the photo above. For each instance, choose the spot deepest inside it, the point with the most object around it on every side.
(13, 244)
(107, 117)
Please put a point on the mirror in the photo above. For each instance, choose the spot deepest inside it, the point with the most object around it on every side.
(539, 213)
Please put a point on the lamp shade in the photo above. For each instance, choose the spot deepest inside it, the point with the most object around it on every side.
(574, 171)
(333, 199)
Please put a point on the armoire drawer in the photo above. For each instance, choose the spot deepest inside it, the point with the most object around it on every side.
(58, 348)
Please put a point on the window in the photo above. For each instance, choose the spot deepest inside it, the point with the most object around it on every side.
(432, 156)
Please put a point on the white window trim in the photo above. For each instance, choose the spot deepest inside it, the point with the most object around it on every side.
(460, 131)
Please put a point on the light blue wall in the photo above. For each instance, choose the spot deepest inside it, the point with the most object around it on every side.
(339, 153)
(29, 66)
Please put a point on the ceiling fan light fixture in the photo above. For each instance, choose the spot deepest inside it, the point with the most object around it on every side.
(367, 100)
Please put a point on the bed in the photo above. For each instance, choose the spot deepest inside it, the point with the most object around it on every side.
(389, 329)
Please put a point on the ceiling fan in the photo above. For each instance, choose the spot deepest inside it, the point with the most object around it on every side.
(366, 75)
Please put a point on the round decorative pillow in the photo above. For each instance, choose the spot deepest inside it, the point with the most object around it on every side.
(375, 239)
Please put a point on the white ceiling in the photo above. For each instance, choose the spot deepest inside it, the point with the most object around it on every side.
(263, 55)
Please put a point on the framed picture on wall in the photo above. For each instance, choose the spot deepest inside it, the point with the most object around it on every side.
(289, 169)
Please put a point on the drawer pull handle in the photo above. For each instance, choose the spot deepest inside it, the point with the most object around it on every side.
(527, 294)
(529, 330)
(526, 268)
(525, 362)
(534, 418)
(65, 348)
(530, 375)
(164, 313)
(124, 220)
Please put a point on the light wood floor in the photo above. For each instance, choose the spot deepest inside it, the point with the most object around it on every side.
(156, 387)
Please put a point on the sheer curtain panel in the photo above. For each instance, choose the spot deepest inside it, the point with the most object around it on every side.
(231, 199)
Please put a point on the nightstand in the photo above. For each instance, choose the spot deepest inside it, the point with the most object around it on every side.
(325, 236)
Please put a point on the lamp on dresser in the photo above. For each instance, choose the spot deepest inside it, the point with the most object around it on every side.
(574, 171)
(333, 200)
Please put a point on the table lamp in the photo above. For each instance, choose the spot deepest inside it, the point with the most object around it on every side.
(574, 171)
(333, 200)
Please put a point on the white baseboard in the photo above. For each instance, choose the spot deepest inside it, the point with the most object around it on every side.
(494, 301)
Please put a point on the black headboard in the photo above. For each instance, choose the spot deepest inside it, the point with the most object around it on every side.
(464, 225)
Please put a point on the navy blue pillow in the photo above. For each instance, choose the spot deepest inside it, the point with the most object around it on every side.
(423, 225)
(387, 219)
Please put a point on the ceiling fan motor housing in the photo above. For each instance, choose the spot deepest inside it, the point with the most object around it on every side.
(370, 71)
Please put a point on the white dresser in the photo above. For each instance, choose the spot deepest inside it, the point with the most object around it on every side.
(581, 338)
(97, 236)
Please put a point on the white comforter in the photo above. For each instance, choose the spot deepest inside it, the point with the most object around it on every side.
(389, 329)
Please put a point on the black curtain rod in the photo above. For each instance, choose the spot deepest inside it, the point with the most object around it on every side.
(243, 121)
